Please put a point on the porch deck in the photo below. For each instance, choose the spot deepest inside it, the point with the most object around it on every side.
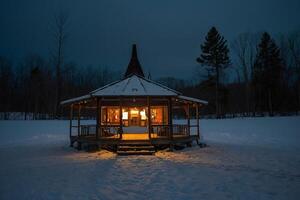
(136, 138)
(143, 136)
(111, 136)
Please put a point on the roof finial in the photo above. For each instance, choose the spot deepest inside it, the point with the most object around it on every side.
(134, 66)
(134, 52)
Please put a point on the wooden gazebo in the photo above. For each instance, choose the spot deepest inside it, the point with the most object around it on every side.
(134, 114)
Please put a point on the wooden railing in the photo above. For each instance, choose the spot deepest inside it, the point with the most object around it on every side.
(164, 131)
(87, 130)
(157, 131)
(109, 131)
(160, 131)
(181, 130)
(105, 131)
(193, 132)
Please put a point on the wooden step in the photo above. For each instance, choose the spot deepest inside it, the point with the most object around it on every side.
(135, 148)
(135, 142)
(142, 152)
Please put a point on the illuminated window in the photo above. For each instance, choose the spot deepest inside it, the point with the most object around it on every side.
(159, 115)
(124, 115)
(143, 114)
(111, 115)
(134, 116)
(134, 111)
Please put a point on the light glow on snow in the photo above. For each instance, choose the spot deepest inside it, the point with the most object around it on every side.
(247, 158)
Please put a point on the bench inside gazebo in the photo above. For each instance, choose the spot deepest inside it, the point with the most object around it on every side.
(134, 114)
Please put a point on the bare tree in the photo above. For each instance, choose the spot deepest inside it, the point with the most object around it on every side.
(60, 35)
(244, 48)
(6, 86)
(294, 49)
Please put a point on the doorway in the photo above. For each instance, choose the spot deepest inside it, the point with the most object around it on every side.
(134, 116)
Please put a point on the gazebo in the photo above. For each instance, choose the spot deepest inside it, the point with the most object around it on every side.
(134, 115)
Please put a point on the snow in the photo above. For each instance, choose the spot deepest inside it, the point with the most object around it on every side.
(76, 99)
(247, 158)
(192, 99)
(134, 86)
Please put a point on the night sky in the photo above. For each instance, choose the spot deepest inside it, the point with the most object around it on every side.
(168, 33)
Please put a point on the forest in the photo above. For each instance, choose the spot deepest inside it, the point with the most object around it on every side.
(256, 74)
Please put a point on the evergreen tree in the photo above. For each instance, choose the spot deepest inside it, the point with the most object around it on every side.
(214, 58)
(267, 75)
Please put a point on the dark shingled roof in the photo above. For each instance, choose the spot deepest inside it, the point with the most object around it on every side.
(134, 66)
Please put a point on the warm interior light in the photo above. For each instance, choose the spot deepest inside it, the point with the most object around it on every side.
(157, 115)
(125, 115)
(134, 111)
(111, 115)
(143, 114)
(134, 116)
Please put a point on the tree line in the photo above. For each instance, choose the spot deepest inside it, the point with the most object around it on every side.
(30, 86)
(267, 74)
(253, 75)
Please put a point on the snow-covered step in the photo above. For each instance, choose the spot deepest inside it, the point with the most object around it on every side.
(135, 142)
(135, 149)
(142, 152)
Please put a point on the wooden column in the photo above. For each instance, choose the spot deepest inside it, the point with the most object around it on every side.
(197, 118)
(78, 119)
(98, 124)
(71, 119)
(120, 117)
(170, 117)
(149, 117)
(188, 119)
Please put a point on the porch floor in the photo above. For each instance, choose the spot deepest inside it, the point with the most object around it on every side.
(145, 136)
(135, 136)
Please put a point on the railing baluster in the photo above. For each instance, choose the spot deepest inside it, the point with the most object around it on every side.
(157, 131)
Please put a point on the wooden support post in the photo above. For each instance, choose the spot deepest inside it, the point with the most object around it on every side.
(97, 118)
(121, 121)
(197, 120)
(149, 117)
(71, 119)
(78, 119)
(188, 120)
(100, 118)
(170, 109)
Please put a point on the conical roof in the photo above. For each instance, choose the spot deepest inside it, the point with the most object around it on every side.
(134, 85)
(134, 66)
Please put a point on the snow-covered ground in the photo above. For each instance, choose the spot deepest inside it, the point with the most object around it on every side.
(249, 158)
